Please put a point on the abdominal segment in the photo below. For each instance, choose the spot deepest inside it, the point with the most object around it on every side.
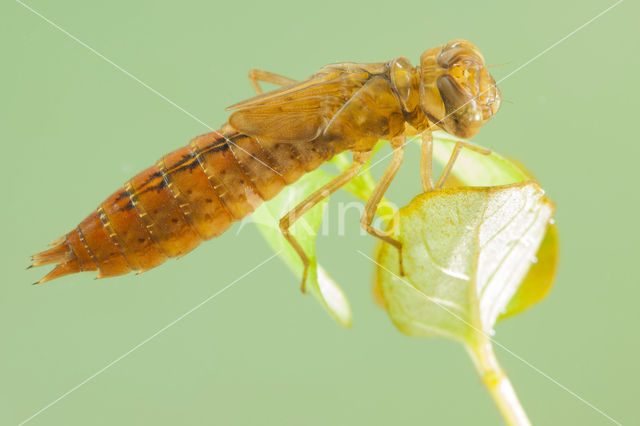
(190, 195)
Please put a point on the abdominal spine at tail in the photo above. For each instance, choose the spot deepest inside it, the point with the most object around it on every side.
(190, 195)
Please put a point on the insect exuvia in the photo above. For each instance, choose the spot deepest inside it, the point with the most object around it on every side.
(196, 192)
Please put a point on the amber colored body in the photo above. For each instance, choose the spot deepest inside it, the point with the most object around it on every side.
(196, 192)
(191, 195)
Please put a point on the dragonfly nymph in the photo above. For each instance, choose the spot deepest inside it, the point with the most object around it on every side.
(197, 192)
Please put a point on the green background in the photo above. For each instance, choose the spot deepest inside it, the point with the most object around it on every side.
(73, 128)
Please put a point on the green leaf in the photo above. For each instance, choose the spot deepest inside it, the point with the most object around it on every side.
(466, 260)
(474, 169)
(465, 252)
(319, 283)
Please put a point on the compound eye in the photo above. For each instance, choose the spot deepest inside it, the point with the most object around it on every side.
(463, 115)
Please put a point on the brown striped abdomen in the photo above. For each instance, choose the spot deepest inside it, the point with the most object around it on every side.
(190, 195)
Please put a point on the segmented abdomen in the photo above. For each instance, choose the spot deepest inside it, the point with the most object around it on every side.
(190, 195)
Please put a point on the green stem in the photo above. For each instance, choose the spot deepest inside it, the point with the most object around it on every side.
(497, 382)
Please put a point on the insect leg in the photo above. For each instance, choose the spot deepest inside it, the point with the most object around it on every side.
(454, 157)
(398, 145)
(359, 159)
(255, 76)
(426, 160)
